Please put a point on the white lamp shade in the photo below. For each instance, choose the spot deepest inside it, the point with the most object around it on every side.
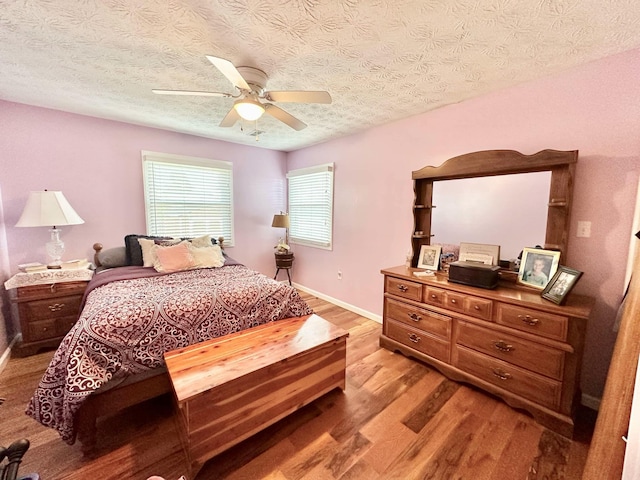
(249, 109)
(48, 209)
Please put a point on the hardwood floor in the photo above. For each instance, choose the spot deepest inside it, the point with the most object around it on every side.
(397, 419)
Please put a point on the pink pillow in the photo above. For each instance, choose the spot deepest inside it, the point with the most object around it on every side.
(174, 258)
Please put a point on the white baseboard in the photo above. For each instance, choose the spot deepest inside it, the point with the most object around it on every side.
(340, 303)
(591, 402)
(6, 355)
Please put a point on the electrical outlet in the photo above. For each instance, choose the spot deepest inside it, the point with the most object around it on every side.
(339, 275)
(584, 229)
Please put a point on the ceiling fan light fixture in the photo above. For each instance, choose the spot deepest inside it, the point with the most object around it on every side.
(249, 109)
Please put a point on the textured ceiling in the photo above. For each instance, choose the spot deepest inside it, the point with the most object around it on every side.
(381, 60)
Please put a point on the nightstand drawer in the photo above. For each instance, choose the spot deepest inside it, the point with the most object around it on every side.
(53, 307)
(50, 290)
(41, 330)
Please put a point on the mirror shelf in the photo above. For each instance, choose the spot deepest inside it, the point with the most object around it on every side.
(490, 163)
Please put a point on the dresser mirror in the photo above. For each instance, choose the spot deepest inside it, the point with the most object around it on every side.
(506, 210)
(551, 201)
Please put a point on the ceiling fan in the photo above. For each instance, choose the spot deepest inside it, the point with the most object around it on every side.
(252, 98)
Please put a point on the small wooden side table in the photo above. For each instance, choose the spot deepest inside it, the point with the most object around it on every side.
(284, 261)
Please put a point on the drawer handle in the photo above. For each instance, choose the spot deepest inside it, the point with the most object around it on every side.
(56, 307)
(403, 288)
(453, 300)
(415, 317)
(414, 338)
(476, 307)
(434, 296)
(529, 320)
(501, 375)
(502, 346)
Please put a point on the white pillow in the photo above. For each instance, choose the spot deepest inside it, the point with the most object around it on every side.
(149, 253)
(204, 241)
(206, 257)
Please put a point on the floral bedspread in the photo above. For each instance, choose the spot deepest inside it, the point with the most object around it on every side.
(127, 325)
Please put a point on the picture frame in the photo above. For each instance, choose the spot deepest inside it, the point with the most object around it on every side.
(537, 266)
(561, 284)
(479, 253)
(429, 257)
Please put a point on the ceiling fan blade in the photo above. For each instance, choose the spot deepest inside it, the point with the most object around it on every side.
(284, 117)
(188, 92)
(230, 118)
(299, 96)
(230, 71)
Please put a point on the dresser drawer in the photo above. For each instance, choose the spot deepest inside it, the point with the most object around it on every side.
(418, 340)
(403, 288)
(434, 296)
(418, 318)
(532, 321)
(469, 305)
(530, 355)
(53, 307)
(529, 385)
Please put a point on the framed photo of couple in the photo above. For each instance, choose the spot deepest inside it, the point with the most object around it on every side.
(561, 284)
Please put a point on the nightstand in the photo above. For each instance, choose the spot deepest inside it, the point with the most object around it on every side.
(46, 311)
(284, 261)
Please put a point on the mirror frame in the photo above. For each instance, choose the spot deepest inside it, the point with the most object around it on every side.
(489, 163)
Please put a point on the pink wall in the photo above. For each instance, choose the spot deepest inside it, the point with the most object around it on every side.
(97, 165)
(593, 108)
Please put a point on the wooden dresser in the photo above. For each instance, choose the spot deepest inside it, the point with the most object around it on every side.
(509, 342)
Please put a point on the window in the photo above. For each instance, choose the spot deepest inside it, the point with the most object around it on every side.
(311, 206)
(187, 196)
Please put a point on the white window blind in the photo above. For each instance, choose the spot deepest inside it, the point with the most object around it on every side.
(187, 196)
(311, 206)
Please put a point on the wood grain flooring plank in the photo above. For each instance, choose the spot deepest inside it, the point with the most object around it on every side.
(430, 405)
(552, 458)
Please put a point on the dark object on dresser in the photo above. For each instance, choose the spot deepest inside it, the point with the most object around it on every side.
(474, 274)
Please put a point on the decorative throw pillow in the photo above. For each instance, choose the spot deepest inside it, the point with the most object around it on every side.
(148, 253)
(206, 257)
(113, 257)
(174, 258)
(133, 249)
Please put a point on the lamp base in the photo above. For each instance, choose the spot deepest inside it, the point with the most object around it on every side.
(55, 249)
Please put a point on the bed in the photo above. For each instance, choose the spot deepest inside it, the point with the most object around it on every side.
(152, 299)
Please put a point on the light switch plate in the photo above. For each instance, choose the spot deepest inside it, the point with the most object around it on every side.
(584, 229)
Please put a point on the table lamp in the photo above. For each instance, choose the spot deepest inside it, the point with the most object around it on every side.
(49, 209)
(281, 220)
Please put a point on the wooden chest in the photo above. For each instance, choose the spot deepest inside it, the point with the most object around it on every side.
(231, 387)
